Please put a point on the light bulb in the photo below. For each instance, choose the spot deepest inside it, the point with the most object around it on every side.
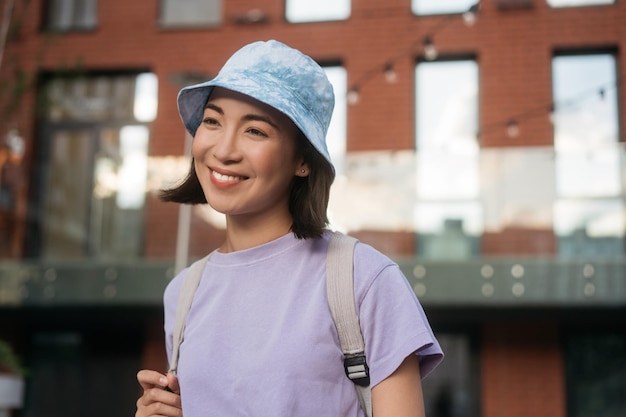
(391, 76)
(551, 114)
(353, 96)
(430, 51)
(470, 16)
(512, 129)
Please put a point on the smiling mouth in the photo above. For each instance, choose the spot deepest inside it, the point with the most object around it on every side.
(226, 178)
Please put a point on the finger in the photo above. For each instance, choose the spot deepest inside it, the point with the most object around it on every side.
(158, 395)
(158, 409)
(150, 379)
(172, 383)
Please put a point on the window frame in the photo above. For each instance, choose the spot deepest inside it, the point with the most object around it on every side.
(216, 6)
(310, 17)
(578, 3)
(581, 216)
(95, 134)
(74, 25)
(456, 218)
(437, 12)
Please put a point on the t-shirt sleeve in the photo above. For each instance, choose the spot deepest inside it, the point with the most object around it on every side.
(393, 322)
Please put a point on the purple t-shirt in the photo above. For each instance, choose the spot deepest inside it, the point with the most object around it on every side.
(260, 340)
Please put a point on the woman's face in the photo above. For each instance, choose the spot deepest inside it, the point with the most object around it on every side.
(245, 156)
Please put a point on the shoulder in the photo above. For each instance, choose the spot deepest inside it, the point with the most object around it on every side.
(370, 263)
(369, 266)
(370, 257)
(364, 253)
(172, 290)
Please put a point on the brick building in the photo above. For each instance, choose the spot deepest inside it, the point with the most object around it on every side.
(488, 159)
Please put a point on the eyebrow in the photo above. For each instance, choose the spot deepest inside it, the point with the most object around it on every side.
(247, 117)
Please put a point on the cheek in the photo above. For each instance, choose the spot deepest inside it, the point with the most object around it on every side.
(198, 146)
(272, 161)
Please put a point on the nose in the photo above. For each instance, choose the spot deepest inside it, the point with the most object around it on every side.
(226, 147)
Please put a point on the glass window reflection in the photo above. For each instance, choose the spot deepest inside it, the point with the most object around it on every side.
(71, 15)
(447, 214)
(146, 97)
(577, 3)
(93, 167)
(589, 209)
(316, 11)
(199, 13)
(336, 137)
(585, 125)
(426, 7)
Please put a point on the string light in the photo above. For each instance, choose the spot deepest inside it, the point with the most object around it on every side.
(551, 113)
(512, 129)
(353, 96)
(512, 125)
(430, 53)
(469, 17)
(391, 76)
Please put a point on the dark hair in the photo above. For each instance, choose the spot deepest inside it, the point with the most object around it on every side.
(308, 196)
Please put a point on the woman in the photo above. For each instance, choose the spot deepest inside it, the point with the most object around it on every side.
(259, 337)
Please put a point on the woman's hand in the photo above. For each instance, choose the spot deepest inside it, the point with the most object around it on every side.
(161, 395)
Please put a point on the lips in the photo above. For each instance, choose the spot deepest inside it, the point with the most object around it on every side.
(222, 177)
(226, 178)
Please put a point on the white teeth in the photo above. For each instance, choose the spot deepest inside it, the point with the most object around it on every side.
(222, 177)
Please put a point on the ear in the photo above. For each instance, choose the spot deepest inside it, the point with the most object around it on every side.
(303, 169)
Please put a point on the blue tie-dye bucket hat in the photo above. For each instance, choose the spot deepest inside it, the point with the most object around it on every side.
(275, 74)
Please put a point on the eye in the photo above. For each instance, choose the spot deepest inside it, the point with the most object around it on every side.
(256, 132)
(210, 121)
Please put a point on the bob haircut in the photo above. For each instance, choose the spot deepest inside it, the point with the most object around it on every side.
(308, 196)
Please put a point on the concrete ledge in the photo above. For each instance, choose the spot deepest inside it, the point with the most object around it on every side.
(519, 282)
(479, 282)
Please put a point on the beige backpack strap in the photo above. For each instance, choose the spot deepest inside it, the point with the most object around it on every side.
(191, 280)
(340, 293)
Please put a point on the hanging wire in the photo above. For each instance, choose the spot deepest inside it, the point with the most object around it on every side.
(427, 46)
(513, 124)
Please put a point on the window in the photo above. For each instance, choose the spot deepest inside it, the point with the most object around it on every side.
(589, 210)
(452, 389)
(447, 214)
(91, 183)
(427, 7)
(99, 372)
(199, 13)
(298, 11)
(575, 3)
(595, 365)
(70, 15)
(336, 137)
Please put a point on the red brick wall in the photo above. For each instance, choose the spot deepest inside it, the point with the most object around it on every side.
(522, 370)
(513, 241)
(513, 48)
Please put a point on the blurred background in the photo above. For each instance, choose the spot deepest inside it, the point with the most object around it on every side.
(480, 145)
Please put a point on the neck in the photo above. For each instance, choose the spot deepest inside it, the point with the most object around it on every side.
(246, 233)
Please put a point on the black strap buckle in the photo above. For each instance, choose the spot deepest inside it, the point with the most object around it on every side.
(357, 369)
